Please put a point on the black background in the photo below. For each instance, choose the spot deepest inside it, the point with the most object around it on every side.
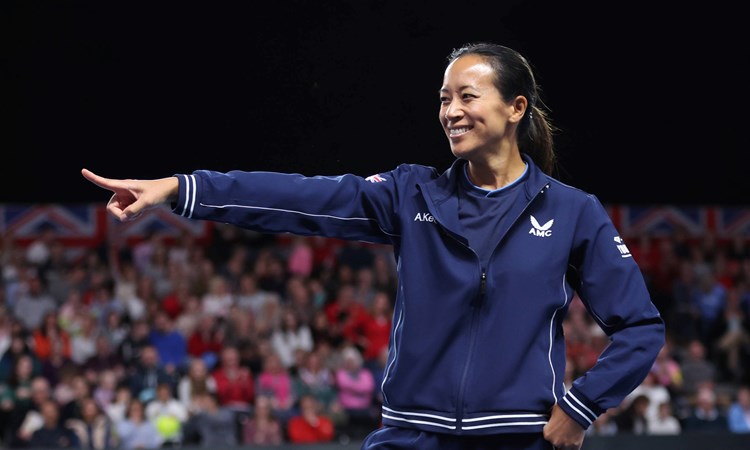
(651, 100)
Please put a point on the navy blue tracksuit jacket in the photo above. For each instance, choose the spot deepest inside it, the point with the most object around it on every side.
(474, 350)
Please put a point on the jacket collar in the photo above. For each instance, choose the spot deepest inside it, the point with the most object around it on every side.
(441, 193)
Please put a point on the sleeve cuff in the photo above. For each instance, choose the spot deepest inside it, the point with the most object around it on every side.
(186, 198)
(579, 408)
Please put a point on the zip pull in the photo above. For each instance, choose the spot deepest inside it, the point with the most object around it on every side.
(483, 283)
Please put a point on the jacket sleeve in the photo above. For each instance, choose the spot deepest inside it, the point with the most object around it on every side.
(614, 292)
(344, 207)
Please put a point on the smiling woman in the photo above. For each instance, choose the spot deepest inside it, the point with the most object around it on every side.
(491, 251)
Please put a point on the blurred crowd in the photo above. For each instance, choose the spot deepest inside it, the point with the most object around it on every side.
(252, 339)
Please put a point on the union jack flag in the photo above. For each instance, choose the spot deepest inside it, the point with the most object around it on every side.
(661, 220)
(377, 178)
(733, 221)
(73, 224)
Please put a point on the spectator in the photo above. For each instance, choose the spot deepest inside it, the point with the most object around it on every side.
(148, 375)
(195, 382)
(356, 388)
(105, 388)
(300, 260)
(733, 338)
(131, 347)
(23, 421)
(169, 344)
(212, 426)
(371, 331)
(207, 338)
(291, 335)
(313, 378)
(16, 395)
(739, 411)
(63, 391)
(709, 299)
(114, 329)
(127, 280)
(189, 319)
(137, 433)
(94, 430)
(50, 334)
(105, 358)
(683, 318)
(706, 415)
(656, 393)
(323, 332)
(345, 311)
(33, 304)
(696, 369)
(218, 299)
(275, 382)
(235, 385)
(667, 371)
(81, 390)
(83, 343)
(17, 348)
(53, 434)
(167, 414)
(117, 409)
(174, 302)
(665, 423)
(299, 298)
(262, 427)
(57, 365)
(631, 418)
(309, 426)
(38, 252)
(250, 297)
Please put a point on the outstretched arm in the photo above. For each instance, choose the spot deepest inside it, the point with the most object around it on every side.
(131, 198)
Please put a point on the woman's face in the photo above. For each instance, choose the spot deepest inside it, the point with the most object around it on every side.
(472, 112)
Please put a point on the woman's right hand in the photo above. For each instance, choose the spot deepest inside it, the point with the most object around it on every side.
(131, 198)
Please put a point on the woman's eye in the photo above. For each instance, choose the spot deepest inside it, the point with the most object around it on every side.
(443, 99)
(467, 96)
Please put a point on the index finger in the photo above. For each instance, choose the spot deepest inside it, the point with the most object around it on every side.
(106, 183)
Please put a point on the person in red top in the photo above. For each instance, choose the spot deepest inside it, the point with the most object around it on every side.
(50, 333)
(235, 386)
(309, 426)
(206, 338)
(371, 331)
(345, 313)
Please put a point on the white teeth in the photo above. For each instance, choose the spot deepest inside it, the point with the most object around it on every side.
(457, 131)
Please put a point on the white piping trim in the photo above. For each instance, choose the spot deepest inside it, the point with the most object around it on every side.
(447, 419)
(504, 416)
(299, 212)
(577, 410)
(395, 352)
(187, 196)
(195, 195)
(594, 415)
(508, 424)
(450, 427)
(551, 325)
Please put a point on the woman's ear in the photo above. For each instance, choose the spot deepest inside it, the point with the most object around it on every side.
(519, 105)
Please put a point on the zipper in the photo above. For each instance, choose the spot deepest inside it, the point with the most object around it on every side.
(477, 306)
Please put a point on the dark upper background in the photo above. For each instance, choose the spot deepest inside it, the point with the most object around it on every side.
(651, 101)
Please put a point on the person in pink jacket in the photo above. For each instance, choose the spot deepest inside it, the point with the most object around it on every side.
(356, 392)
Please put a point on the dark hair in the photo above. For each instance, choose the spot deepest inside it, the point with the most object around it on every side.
(514, 76)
